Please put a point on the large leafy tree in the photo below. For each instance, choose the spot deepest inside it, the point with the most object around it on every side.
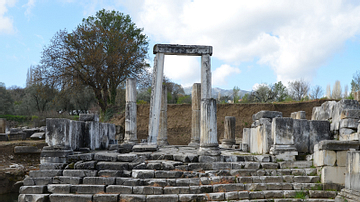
(100, 53)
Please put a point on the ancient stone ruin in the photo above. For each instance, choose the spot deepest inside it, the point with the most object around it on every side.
(279, 158)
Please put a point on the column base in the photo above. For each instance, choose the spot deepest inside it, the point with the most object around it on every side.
(209, 151)
(227, 144)
(347, 195)
(194, 144)
(162, 143)
(284, 152)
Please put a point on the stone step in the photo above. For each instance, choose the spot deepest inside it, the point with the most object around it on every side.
(265, 196)
(186, 157)
(316, 190)
(181, 181)
(171, 165)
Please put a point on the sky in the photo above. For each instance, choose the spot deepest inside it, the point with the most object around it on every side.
(254, 42)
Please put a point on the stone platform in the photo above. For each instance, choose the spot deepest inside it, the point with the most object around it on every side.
(175, 173)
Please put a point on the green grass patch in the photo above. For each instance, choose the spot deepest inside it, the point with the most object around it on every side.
(300, 195)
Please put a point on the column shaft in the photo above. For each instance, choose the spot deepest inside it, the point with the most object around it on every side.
(195, 120)
(208, 132)
(162, 138)
(205, 77)
(130, 112)
(229, 132)
(155, 101)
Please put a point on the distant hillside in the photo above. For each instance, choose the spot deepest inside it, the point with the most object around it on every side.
(215, 92)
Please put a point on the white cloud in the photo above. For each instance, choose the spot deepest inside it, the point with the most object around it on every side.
(29, 6)
(257, 85)
(6, 23)
(293, 38)
(220, 75)
(185, 69)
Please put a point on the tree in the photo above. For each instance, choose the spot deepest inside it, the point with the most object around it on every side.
(263, 93)
(316, 92)
(236, 96)
(328, 91)
(355, 83)
(279, 91)
(100, 53)
(6, 102)
(298, 89)
(336, 92)
(346, 91)
(39, 97)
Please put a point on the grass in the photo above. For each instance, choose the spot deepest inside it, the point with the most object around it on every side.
(300, 195)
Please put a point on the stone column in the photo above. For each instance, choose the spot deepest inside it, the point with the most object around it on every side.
(2, 125)
(162, 137)
(155, 101)
(130, 112)
(208, 131)
(195, 120)
(205, 77)
(208, 124)
(229, 132)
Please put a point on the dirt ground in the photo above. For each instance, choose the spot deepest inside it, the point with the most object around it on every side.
(14, 167)
(179, 118)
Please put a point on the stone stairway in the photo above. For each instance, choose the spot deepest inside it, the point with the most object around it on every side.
(175, 174)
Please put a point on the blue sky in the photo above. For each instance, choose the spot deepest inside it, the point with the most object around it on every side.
(254, 42)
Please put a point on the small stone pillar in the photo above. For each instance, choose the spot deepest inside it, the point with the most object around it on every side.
(2, 125)
(155, 100)
(208, 133)
(130, 112)
(229, 132)
(162, 137)
(301, 115)
(195, 120)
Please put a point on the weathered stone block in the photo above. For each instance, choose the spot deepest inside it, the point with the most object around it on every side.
(38, 189)
(2, 125)
(59, 188)
(112, 166)
(70, 197)
(162, 198)
(145, 148)
(4, 137)
(26, 150)
(300, 115)
(319, 130)
(246, 139)
(143, 174)
(330, 174)
(336, 145)
(282, 131)
(87, 189)
(132, 197)
(106, 156)
(350, 113)
(301, 133)
(341, 158)
(38, 136)
(105, 198)
(349, 123)
(99, 180)
(66, 180)
(80, 173)
(33, 197)
(88, 117)
(266, 114)
(324, 158)
(176, 49)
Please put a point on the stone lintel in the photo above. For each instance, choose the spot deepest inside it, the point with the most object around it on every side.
(176, 49)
